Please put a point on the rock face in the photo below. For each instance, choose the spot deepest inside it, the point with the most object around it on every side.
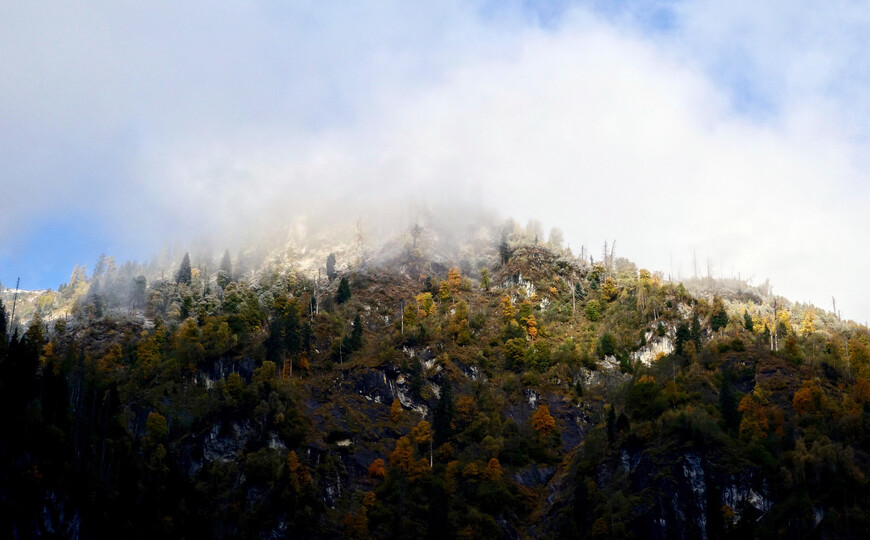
(690, 493)
(655, 346)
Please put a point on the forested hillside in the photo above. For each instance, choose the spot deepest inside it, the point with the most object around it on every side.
(504, 389)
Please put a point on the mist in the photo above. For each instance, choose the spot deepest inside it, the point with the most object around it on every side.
(684, 131)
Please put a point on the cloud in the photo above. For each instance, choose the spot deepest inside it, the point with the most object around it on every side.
(692, 127)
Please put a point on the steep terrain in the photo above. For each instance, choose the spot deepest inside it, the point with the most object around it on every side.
(463, 384)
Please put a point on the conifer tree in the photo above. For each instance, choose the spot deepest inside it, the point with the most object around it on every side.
(343, 294)
(747, 321)
(442, 417)
(184, 274)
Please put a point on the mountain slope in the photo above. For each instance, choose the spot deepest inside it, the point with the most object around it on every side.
(491, 386)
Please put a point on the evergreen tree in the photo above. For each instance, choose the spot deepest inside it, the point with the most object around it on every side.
(719, 319)
(356, 339)
(696, 332)
(684, 335)
(416, 382)
(504, 249)
(225, 273)
(728, 401)
(442, 417)
(343, 294)
(184, 273)
(747, 321)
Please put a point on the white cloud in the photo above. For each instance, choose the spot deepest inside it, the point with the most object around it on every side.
(724, 134)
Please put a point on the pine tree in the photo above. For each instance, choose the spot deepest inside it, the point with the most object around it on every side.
(504, 250)
(719, 319)
(747, 321)
(343, 294)
(696, 332)
(356, 340)
(442, 417)
(184, 274)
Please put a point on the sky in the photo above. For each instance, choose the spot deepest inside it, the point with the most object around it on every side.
(731, 132)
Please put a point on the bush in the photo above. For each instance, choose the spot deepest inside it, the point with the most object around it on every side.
(593, 310)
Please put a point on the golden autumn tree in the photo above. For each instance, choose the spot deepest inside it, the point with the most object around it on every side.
(810, 398)
(493, 471)
(808, 325)
(402, 456)
(422, 434)
(378, 469)
(508, 312)
(454, 278)
(609, 289)
(425, 304)
(444, 291)
(754, 424)
(532, 327)
(543, 421)
(395, 411)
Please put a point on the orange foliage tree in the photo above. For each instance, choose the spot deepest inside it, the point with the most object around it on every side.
(378, 469)
(543, 421)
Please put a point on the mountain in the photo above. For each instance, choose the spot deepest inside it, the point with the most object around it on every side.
(469, 381)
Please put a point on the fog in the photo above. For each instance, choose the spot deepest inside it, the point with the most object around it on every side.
(734, 135)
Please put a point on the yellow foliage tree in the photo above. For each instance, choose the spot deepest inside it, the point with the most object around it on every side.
(422, 432)
(395, 411)
(425, 304)
(418, 469)
(444, 291)
(543, 421)
(508, 312)
(454, 278)
(532, 327)
(493, 470)
(808, 325)
(403, 455)
(609, 289)
(466, 408)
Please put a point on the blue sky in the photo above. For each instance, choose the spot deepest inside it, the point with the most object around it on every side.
(734, 130)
